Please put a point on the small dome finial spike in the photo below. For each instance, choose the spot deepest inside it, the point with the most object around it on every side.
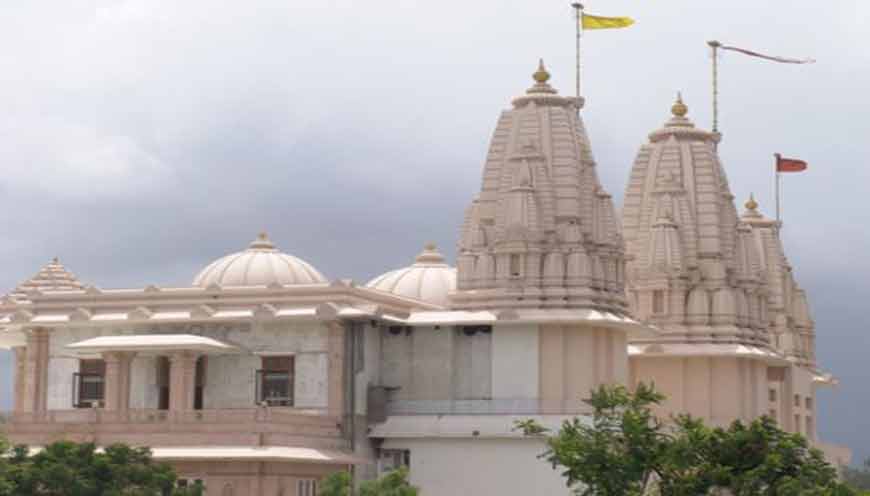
(541, 76)
(679, 109)
(751, 204)
(262, 242)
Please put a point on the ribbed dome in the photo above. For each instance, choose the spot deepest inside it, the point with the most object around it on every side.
(260, 265)
(52, 277)
(430, 279)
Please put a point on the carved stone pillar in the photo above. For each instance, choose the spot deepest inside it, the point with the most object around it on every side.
(20, 377)
(335, 367)
(182, 376)
(117, 380)
(36, 371)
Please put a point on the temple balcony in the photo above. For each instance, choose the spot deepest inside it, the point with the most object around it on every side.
(510, 406)
(259, 426)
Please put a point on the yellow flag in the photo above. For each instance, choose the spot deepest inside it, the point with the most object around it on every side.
(598, 22)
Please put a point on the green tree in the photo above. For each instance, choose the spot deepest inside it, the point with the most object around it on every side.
(394, 483)
(335, 484)
(859, 478)
(67, 468)
(627, 451)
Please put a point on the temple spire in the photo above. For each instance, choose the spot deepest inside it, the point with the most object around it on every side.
(543, 232)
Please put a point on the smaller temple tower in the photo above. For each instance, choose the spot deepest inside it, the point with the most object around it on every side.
(694, 271)
(791, 326)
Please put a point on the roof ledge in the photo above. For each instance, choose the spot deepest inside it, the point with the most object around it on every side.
(80, 315)
(343, 283)
(327, 311)
(202, 312)
(265, 312)
(21, 316)
(140, 313)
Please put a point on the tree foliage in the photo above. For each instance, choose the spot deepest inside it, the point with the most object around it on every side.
(627, 451)
(394, 483)
(67, 468)
(859, 478)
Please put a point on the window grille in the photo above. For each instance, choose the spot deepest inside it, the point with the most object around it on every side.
(89, 384)
(274, 382)
(306, 487)
(392, 459)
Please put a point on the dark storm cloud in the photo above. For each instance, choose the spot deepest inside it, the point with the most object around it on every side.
(142, 139)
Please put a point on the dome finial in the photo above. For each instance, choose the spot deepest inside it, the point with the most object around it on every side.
(430, 255)
(541, 76)
(751, 204)
(262, 242)
(679, 109)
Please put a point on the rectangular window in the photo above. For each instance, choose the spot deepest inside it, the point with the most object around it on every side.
(306, 487)
(191, 483)
(516, 268)
(89, 384)
(163, 383)
(797, 423)
(275, 381)
(809, 403)
(199, 381)
(392, 459)
(809, 428)
(771, 395)
(797, 400)
(658, 302)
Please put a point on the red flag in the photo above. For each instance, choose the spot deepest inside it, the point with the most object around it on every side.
(789, 164)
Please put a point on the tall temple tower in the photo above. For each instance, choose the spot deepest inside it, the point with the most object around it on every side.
(735, 336)
(542, 233)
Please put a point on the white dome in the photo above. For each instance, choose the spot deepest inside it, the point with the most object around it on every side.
(260, 265)
(430, 279)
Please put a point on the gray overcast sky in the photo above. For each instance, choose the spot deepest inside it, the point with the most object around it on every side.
(141, 139)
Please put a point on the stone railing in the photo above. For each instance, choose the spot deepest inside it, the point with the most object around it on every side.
(264, 426)
(518, 406)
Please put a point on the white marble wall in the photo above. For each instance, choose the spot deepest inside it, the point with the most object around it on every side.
(229, 381)
(311, 380)
(515, 359)
(371, 372)
(60, 382)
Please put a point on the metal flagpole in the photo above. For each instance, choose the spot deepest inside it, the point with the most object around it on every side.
(578, 17)
(715, 46)
(777, 191)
